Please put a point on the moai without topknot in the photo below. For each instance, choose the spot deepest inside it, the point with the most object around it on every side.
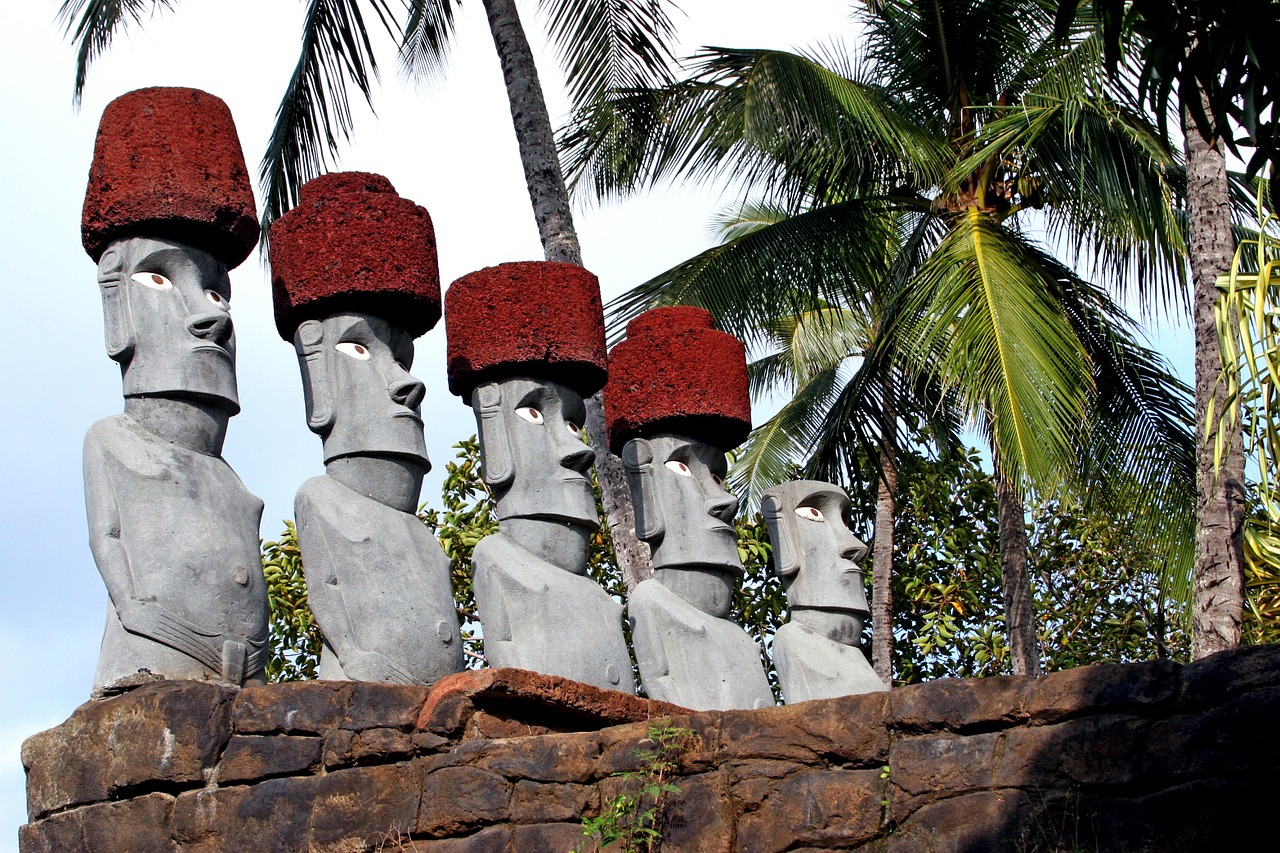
(816, 653)
(525, 346)
(355, 281)
(676, 401)
(173, 531)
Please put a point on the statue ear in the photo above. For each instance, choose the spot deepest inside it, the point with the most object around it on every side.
(313, 361)
(496, 459)
(786, 558)
(637, 461)
(117, 323)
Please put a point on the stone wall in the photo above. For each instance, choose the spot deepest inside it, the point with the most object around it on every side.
(1152, 756)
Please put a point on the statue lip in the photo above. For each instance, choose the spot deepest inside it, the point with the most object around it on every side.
(407, 413)
(220, 350)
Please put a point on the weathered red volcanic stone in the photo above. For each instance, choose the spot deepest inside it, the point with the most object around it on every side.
(353, 244)
(534, 318)
(676, 373)
(168, 163)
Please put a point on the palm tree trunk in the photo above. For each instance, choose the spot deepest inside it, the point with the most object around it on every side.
(1218, 576)
(1019, 612)
(882, 549)
(552, 212)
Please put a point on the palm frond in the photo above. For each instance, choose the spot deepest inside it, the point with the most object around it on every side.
(315, 111)
(93, 23)
(608, 45)
(982, 312)
(427, 38)
(828, 256)
(779, 121)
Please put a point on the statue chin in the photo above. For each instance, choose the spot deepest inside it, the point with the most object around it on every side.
(842, 626)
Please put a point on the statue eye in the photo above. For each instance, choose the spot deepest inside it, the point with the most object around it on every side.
(352, 349)
(216, 298)
(812, 513)
(573, 428)
(679, 467)
(718, 481)
(153, 280)
(530, 414)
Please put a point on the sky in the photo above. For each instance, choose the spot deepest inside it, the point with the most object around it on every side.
(447, 145)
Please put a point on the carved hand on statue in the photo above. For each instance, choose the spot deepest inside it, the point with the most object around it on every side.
(150, 619)
(373, 666)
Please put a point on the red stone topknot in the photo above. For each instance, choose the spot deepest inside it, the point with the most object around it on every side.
(354, 245)
(539, 319)
(168, 163)
(675, 372)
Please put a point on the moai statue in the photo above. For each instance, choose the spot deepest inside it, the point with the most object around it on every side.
(676, 400)
(816, 653)
(174, 532)
(526, 345)
(355, 281)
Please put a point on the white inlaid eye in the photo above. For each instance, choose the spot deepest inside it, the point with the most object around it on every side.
(354, 350)
(679, 467)
(530, 414)
(153, 280)
(811, 513)
(216, 299)
(574, 429)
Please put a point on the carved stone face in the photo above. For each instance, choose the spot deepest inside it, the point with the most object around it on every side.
(166, 308)
(533, 453)
(360, 395)
(685, 514)
(814, 551)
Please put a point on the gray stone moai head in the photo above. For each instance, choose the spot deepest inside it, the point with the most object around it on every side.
(676, 401)
(525, 346)
(355, 279)
(167, 212)
(166, 310)
(817, 557)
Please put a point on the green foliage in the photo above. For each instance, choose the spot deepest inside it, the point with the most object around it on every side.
(759, 602)
(633, 819)
(1248, 318)
(295, 638)
(1097, 588)
(467, 517)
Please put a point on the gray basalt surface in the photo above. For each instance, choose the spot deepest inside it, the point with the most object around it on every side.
(688, 651)
(173, 531)
(377, 580)
(539, 609)
(816, 653)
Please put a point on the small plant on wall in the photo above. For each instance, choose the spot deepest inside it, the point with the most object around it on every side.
(633, 819)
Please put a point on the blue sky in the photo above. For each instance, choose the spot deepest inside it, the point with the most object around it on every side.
(446, 145)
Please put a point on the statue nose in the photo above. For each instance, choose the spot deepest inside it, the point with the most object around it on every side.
(408, 391)
(723, 507)
(578, 457)
(211, 326)
(853, 550)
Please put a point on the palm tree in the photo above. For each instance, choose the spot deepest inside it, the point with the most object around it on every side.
(962, 130)
(1214, 53)
(603, 44)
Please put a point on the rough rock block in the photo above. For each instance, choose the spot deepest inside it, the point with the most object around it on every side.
(1101, 689)
(456, 799)
(249, 758)
(354, 245)
(538, 704)
(140, 825)
(815, 807)
(675, 372)
(952, 704)
(168, 162)
(159, 736)
(538, 319)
